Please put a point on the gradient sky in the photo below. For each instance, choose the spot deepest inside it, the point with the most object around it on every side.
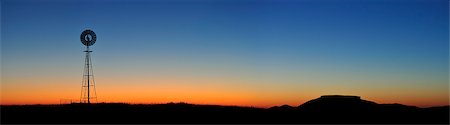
(245, 52)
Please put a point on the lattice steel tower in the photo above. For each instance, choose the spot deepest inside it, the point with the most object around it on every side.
(88, 92)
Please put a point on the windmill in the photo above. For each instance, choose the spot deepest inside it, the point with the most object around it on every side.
(88, 91)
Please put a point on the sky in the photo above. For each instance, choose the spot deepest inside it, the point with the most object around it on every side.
(258, 53)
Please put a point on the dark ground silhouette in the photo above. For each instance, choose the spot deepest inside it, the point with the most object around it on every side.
(326, 109)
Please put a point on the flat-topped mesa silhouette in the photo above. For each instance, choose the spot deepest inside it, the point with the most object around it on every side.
(339, 109)
(353, 109)
(331, 103)
(325, 109)
(341, 97)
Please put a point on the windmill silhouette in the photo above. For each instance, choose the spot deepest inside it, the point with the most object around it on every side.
(88, 91)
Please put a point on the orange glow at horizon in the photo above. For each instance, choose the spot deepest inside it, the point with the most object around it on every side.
(190, 90)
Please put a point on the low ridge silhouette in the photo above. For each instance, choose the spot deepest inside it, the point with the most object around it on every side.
(325, 109)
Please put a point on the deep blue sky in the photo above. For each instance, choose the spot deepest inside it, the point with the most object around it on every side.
(353, 46)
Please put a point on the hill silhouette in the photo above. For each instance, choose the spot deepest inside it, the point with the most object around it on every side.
(325, 109)
(352, 109)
